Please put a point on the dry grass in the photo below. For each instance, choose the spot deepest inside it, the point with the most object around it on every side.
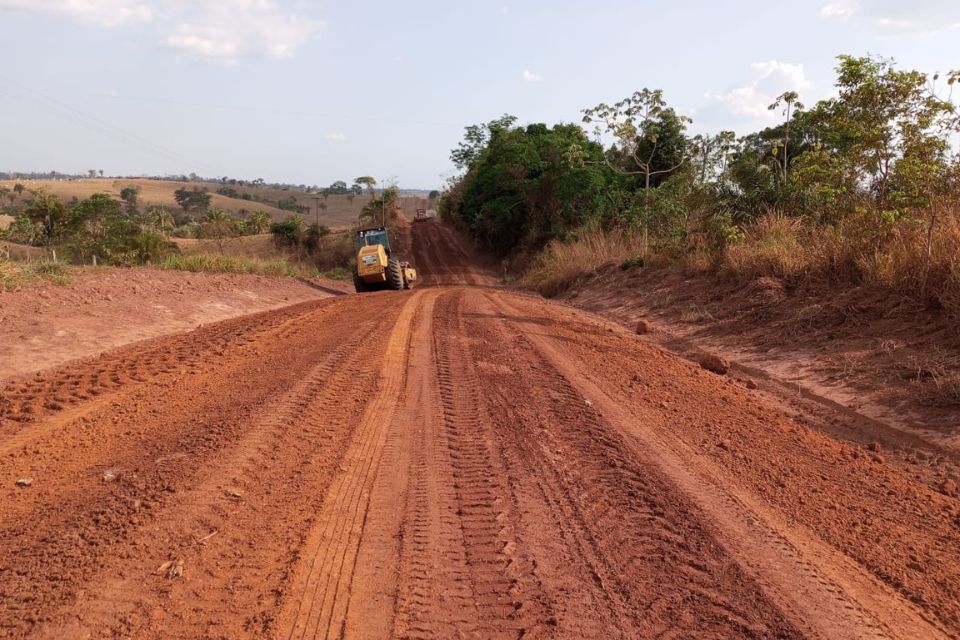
(14, 275)
(14, 251)
(333, 258)
(859, 251)
(772, 247)
(561, 263)
(259, 247)
(216, 263)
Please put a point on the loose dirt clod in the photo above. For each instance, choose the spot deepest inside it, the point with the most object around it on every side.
(644, 327)
(171, 569)
(949, 487)
(714, 363)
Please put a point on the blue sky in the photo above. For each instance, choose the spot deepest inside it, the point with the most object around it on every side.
(312, 92)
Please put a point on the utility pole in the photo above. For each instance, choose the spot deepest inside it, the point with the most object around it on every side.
(317, 200)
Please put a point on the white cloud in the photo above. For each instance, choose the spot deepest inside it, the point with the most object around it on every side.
(770, 79)
(104, 13)
(336, 136)
(895, 17)
(216, 30)
(530, 76)
(839, 10)
(228, 30)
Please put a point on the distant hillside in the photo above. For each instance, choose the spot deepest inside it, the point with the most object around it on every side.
(339, 212)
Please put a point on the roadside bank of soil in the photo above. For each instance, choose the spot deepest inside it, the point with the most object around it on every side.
(869, 366)
(44, 326)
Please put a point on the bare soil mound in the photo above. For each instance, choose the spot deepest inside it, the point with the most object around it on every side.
(44, 326)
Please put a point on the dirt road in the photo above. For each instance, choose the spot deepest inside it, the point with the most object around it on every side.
(455, 461)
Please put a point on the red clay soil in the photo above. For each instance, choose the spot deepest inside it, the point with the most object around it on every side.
(874, 351)
(44, 326)
(453, 461)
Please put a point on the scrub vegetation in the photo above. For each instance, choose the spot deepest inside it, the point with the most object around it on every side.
(862, 188)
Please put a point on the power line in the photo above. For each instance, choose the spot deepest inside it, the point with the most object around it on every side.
(91, 122)
(282, 112)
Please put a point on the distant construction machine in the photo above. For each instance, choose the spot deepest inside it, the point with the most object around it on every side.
(376, 268)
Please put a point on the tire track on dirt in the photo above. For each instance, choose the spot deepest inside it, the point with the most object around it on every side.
(631, 546)
(434, 597)
(505, 594)
(157, 445)
(287, 457)
(323, 583)
(818, 587)
(69, 392)
(435, 269)
(376, 585)
(443, 258)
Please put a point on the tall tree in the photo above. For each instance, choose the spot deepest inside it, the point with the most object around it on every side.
(788, 100)
(649, 139)
(51, 214)
(477, 138)
(367, 181)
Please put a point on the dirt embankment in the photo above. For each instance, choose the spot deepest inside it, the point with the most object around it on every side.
(874, 366)
(101, 309)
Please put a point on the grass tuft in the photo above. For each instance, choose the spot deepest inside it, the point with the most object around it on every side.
(14, 274)
(213, 263)
(559, 265)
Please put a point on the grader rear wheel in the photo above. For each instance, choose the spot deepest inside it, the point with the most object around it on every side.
(359, 285)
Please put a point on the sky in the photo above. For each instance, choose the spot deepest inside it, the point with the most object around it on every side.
(309, 92)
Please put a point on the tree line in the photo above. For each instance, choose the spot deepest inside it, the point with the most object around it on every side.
(877, 159)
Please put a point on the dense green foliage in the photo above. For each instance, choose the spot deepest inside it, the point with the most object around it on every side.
(881, 152)
(93, 230)
(526, 185)
(195, 200)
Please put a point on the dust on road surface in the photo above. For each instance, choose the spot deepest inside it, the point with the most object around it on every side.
(455, 461)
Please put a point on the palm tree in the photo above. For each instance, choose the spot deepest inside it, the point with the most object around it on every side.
(219, 226)
(161, 219)
(296, 225)
(259, 221)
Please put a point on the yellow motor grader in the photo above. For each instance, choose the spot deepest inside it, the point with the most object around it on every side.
(376, 268)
